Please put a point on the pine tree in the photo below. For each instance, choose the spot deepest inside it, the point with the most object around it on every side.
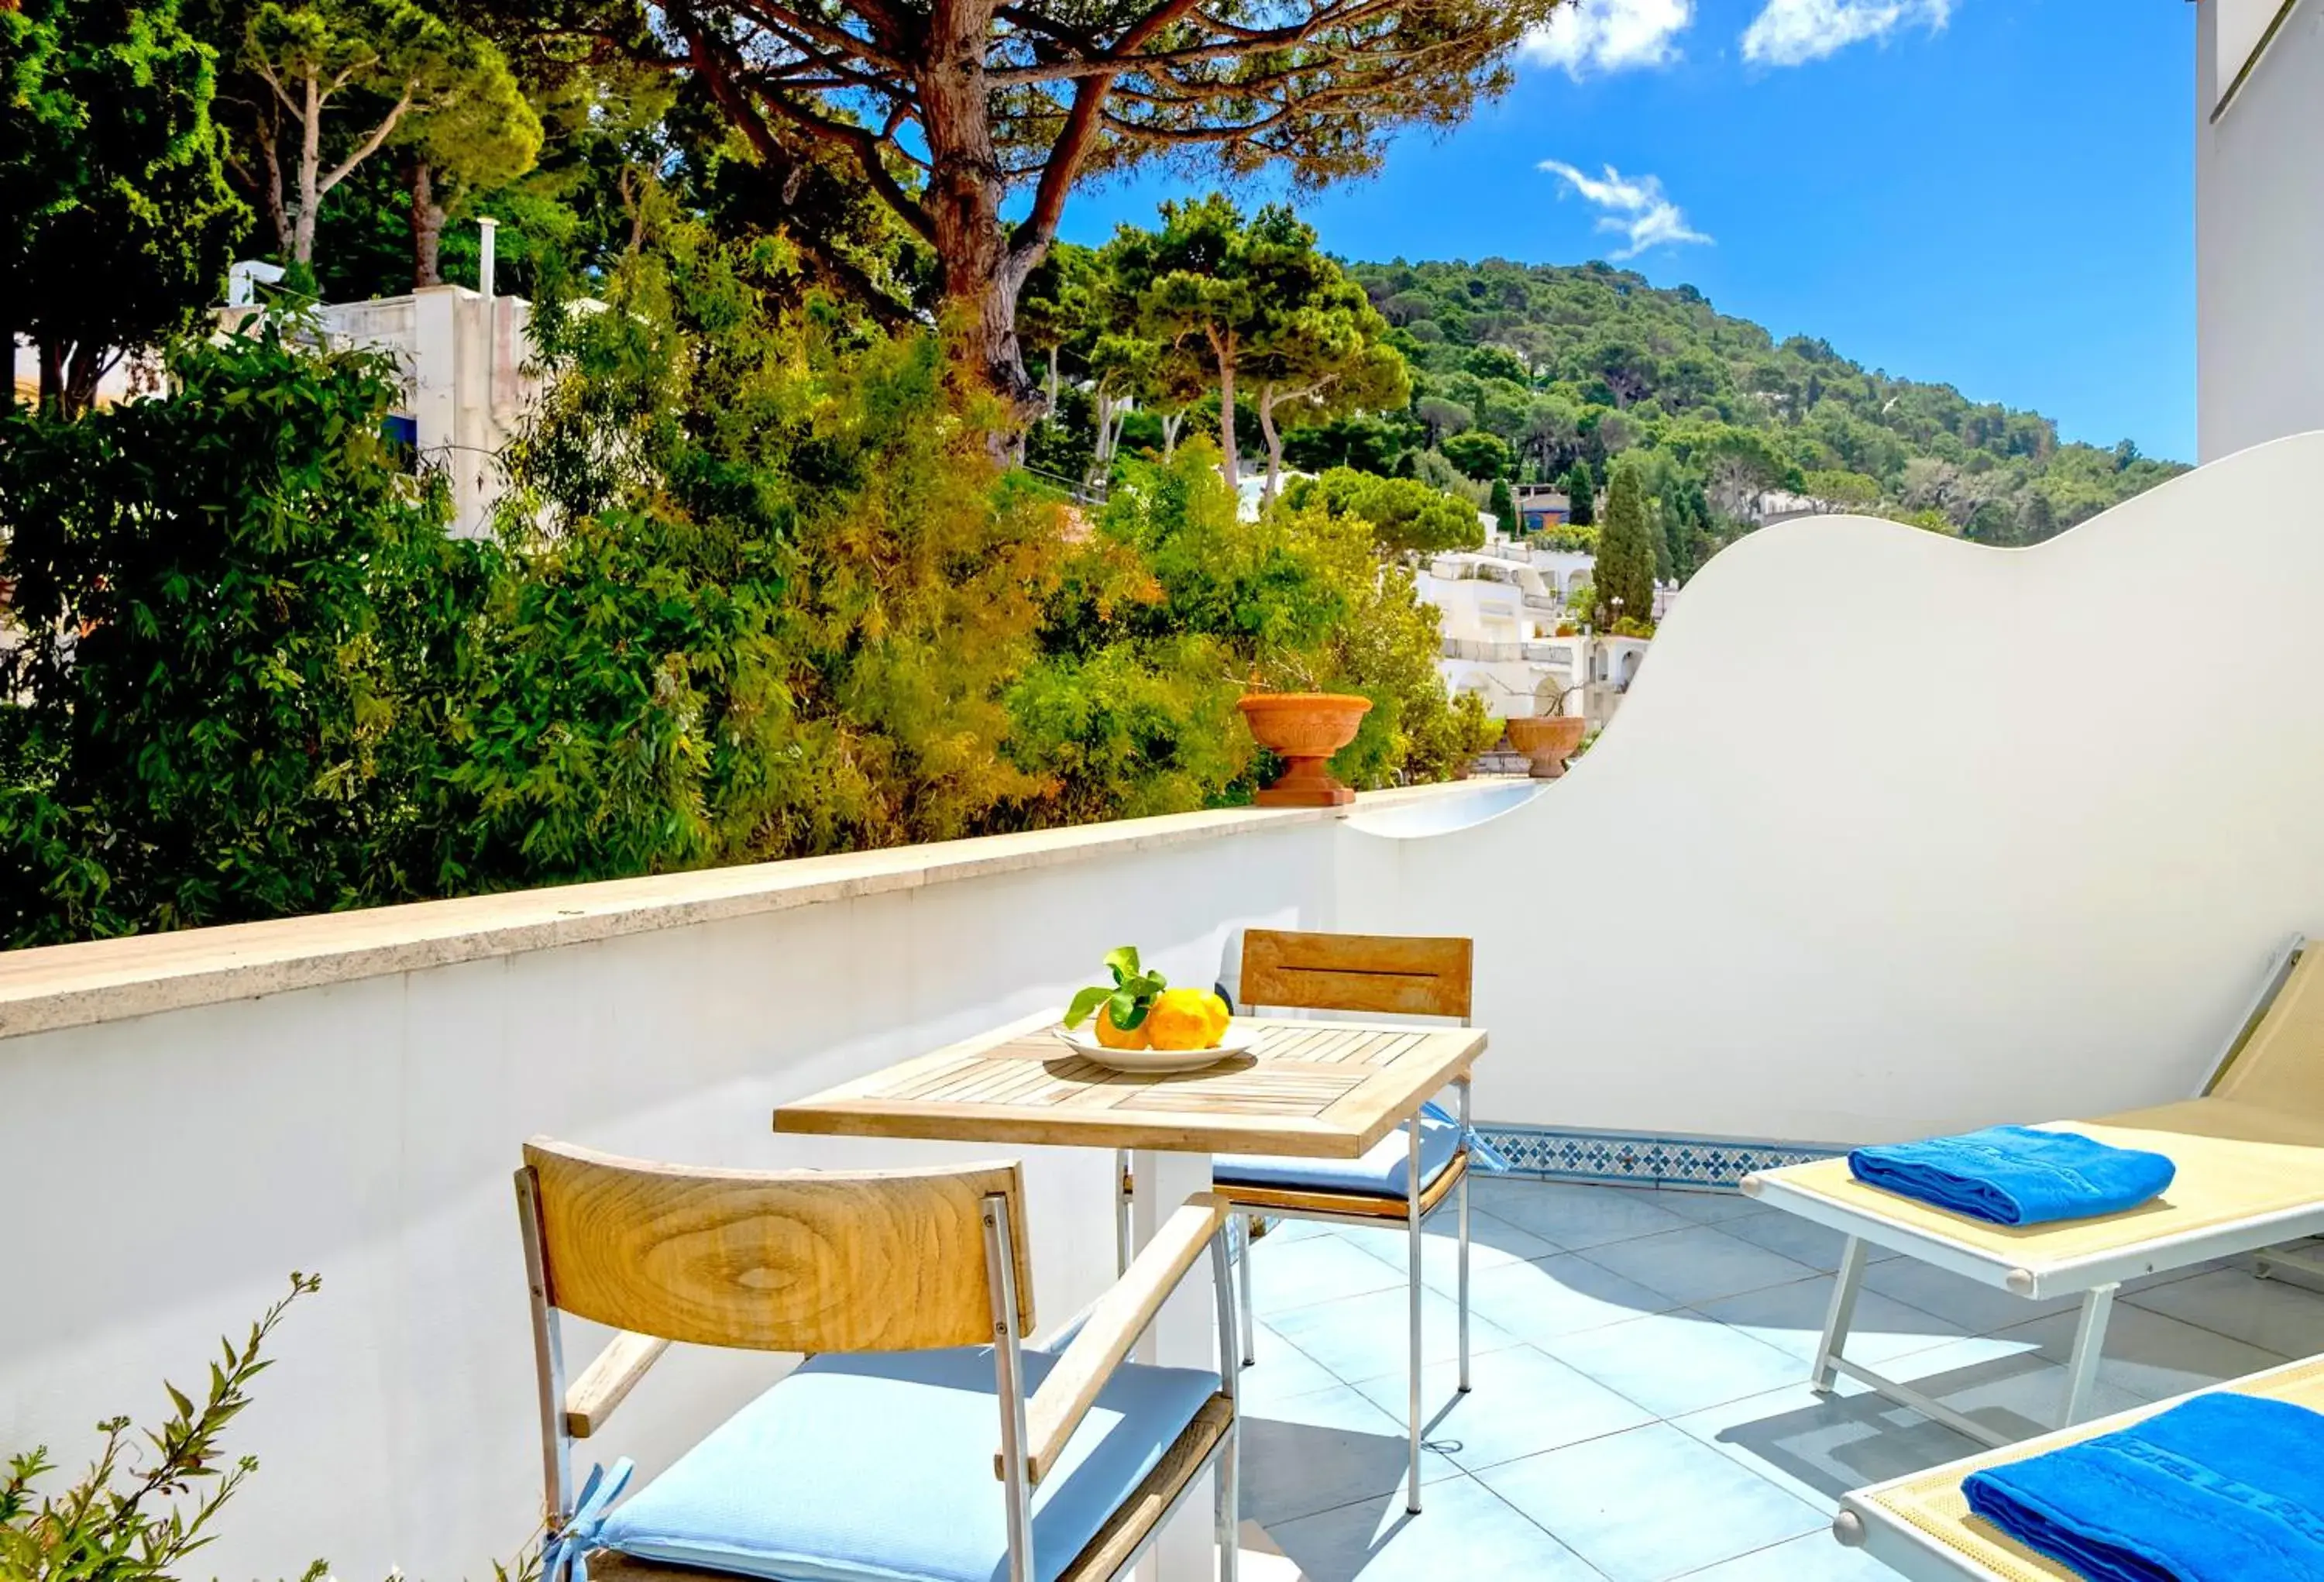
(1624, 570)
(1581, 486)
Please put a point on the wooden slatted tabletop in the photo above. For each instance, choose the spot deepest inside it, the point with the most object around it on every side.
(1321, 1089)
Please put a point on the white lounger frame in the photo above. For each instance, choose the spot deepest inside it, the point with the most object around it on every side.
(2095, 1278)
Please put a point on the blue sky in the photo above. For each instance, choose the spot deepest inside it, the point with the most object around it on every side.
(1994, 193)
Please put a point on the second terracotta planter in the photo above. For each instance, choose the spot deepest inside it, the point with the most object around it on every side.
(1305, 729)
(1547, 742)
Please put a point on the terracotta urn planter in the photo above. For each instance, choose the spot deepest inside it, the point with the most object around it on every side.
(1305, 729)
(1548, 742)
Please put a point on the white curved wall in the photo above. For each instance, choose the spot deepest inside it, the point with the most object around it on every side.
(2013, 845)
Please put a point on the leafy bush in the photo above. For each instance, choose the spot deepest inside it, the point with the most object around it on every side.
(121, 1522)
(240, 611)
(1176, 598)
(764, 590)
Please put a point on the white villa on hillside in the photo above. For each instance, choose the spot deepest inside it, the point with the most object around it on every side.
(1513, 637)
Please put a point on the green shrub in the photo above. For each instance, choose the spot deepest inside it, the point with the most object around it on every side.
(240, 611)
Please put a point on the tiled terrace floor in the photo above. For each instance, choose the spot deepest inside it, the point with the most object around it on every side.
(1640, 1409)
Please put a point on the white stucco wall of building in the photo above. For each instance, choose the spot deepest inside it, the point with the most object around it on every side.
(2259, 236)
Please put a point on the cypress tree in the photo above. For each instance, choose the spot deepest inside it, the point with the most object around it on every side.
(1581, 485)
(1505, 508)
(1626, 550)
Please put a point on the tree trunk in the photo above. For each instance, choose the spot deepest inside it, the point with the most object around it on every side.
(1170, 425)
(71, 372)
(1053, 383)
(982, 273)
(84, 370)
(311, 175)
(1230, 464)
(426, 227)
(1274, 445)
(52, 377)
(270, 152)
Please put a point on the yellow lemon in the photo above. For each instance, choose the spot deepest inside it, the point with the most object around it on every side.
(1219, 1016)
(1183, 1019)
(1115, 1037)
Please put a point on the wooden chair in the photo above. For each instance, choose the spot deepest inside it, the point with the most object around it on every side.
(1364, 973)
(877, 1458)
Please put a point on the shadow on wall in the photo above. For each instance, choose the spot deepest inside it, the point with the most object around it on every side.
(1899, 833)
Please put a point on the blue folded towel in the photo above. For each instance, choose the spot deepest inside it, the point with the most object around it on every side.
(2015, 1175)
(2223, 1487)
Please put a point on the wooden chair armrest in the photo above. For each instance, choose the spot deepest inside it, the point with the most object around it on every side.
(592, 1397)
(1115, 1322)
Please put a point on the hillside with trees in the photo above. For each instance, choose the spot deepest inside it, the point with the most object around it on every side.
(1474, 378)
(1530, 369)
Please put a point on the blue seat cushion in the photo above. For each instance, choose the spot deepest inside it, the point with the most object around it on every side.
(879, 1468)
(1379, 1173)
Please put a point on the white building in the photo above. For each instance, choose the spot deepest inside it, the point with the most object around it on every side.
(467, 384)
(2259, 229)
(1513, 638)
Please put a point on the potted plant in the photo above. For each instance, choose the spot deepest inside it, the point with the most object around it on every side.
(1549, 738)
(1301, 726)
(1305, 729)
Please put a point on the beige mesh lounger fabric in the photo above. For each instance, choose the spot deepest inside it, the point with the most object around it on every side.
(1921, 1527)
(2250, 1157)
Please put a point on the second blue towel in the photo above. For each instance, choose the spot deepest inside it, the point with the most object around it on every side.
(2015, 1175)
(2225, 1488)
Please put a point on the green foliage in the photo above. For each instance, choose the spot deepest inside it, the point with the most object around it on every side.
(1407, 516)
(783, 601)
(123, 1520)
(406, 72)
(242, 616)
(1624, 578)
(1131, 706)
(1504, 508)
(117, 224)
(1251, 305)
(1481, 454)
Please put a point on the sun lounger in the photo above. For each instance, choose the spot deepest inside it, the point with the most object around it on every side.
(1919, 1525)
(2250, 1157)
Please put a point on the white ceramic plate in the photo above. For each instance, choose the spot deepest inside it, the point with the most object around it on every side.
(1240, 1038)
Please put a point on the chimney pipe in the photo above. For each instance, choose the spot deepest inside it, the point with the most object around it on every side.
(484, 229)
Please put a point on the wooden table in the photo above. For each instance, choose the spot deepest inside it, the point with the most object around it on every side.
(1319, 1089)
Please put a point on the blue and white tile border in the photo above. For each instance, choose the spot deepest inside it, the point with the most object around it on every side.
(1639, 1159)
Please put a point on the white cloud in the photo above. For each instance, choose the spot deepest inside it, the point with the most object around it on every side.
(1791, 32)
(1609, 35)
(1636, 207)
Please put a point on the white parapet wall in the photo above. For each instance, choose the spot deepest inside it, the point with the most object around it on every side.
(2003, 853)
(185, 1119)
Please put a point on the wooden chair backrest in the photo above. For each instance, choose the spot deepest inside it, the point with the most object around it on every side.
(776, 1260)
(2280, 1061)
(1395, 974)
